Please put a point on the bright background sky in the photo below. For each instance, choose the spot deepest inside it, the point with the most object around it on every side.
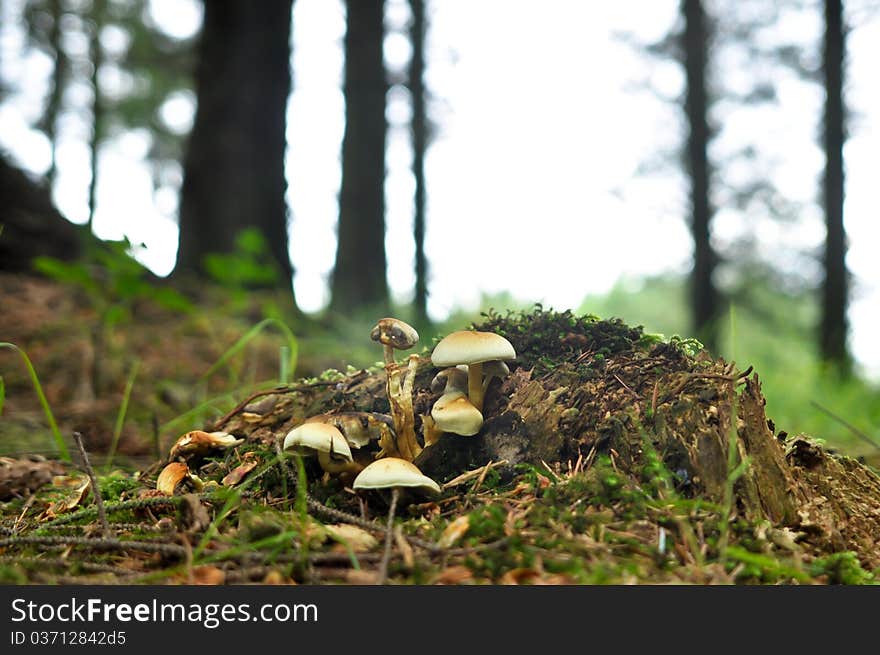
(540, 136)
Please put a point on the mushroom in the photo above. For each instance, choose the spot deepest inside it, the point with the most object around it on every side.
(453, 411)
(198, 442)
(494, 369)
(395, 474)
(393, 333)
(172, 475)
(358, 428)
(473, 349)
(326, 441)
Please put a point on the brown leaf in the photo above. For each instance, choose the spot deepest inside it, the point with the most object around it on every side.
(237, 474)
(454, 532)
(199, 442)
(455, 575)
(358, 539)
(207, 575)
(171, 476)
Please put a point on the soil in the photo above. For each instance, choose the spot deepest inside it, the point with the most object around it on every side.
(606, 456)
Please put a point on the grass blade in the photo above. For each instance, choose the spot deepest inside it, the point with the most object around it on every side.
(53, 426)
(123, 409)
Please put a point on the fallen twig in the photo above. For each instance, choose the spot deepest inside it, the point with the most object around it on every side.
(96, 491)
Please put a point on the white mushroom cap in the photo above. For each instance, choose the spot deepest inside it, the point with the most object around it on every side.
(453, 412)
(312, 438)
(391, 472)
(395, 333)
(471, 347)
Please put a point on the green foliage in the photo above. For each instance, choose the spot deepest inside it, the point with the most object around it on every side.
(249, 266)
(112, 280)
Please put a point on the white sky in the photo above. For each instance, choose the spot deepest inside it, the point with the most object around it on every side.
(539, 139)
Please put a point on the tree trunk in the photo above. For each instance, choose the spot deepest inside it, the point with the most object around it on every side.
(60, 70)
(234, 165)
(419, 145)
(835, 287)
(359, 277)
(704, 295)
(632, 402)
(31, 225)
(97, 54)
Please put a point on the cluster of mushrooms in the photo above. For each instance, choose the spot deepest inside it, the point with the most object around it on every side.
(378, 450)
(468, 360)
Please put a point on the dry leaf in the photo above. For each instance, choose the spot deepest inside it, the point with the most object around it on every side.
(403, 546)
(80, 493)
(455, 575)
(207, 575)
(360, 577)
(198, 442)
(454, 531)
(274, 577)
(358, 539)
(237, 474)
(171, 476)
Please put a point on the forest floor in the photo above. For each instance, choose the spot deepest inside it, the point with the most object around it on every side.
(607, 456)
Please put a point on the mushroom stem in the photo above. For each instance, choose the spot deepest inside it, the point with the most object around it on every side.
(388, 351)
(475, 385)
(386, 556)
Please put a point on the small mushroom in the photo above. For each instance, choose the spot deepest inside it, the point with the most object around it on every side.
(326, 442)
(172, 475)
(395, 474)
(394, 334)
(198, 442)
(391, 473)
(474, 349)
(453, 411)
(493, 369)
(358, 428)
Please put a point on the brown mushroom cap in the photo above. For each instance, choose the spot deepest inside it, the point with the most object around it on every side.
(455, 413)
(395, 333)
(390, 472)
(471, 347)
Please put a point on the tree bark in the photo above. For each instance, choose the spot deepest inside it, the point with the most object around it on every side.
(31, 225)
(359, 277)
(234, 165)
(703, 293)
(97, 54)
(419, 145)
(833, 329)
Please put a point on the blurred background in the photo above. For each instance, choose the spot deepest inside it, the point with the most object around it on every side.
(703, 168)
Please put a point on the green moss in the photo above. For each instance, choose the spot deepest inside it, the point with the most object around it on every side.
(842, 568)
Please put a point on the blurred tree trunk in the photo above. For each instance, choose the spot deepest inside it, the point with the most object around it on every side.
(419, 145)
(359, 277)
(704, 295)
(30, 223)
(234, 164)
(97, 55)
(833, 331)
(60, 71)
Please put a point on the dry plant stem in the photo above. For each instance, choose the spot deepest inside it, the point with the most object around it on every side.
(99, 502)
(386, 555)
(96, 544)
(286, 388)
